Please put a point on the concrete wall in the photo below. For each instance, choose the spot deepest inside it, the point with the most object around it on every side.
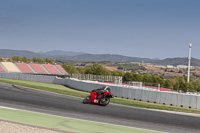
(130, 92)
(38, 78)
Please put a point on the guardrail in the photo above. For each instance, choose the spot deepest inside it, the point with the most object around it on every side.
(130, 92)
(103, 78)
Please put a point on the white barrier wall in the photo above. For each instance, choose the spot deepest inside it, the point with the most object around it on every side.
(130, 92)
(143, 94)
(29, 77)
(193, 102)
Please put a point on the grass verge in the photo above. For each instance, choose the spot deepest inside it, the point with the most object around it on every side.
(46, 87)
(68, 91)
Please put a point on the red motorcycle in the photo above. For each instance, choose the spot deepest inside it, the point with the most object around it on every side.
(104, 97)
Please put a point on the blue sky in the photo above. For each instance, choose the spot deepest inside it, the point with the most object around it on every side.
(136, 28)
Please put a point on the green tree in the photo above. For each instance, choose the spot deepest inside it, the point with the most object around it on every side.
(34, 59)
(191, 87)
(168, 84)
(176, 86)
(138, 77)
(160, 81)
(128, 77)
(196, 85)
(16, 58)
(88, 70)
(69, 68)
(81, 70)
(30, 61)
(148, 78)
(182, 85)
(1, 59)
(47, 60)
(40, 60)
(116, 73)
(10, 59)
(50, 61)
(24, 59)
(157, 80)
(99, 70)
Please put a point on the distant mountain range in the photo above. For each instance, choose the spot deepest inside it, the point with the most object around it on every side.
(178, 61)
(60, 52)
(80, 56)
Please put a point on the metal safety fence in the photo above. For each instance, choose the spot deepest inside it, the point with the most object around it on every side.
(103, 78)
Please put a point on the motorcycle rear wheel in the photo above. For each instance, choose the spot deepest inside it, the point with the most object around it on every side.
(86, 100)
(104, 101)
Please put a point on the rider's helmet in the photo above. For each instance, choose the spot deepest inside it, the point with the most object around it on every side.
(107, 88)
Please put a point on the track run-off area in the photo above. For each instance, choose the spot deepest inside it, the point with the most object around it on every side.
(67, 113)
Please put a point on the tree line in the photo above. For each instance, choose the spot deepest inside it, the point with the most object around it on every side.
(132, 67)
(174, 83)
(26, 60)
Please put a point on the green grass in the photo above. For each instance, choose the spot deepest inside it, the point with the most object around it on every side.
(68, 91)
(46, 87)
(64, 124)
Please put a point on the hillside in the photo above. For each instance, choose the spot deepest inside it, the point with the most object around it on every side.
(178, 61)
(60, 52)
(8, 53)
(68, 55)
(109, 57)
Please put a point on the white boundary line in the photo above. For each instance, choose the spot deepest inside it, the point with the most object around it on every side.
(157, 110)
(4, 107)
(48, 92)
(164, 111)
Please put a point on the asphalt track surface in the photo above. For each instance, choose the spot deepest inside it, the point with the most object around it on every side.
(62, 105)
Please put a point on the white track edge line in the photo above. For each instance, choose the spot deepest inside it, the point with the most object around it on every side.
(77, 118)
(163, 111)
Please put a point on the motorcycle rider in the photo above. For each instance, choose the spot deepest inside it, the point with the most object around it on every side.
(102, 90)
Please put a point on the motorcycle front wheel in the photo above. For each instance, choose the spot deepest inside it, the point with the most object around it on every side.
(86, 100)
(104, 101)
